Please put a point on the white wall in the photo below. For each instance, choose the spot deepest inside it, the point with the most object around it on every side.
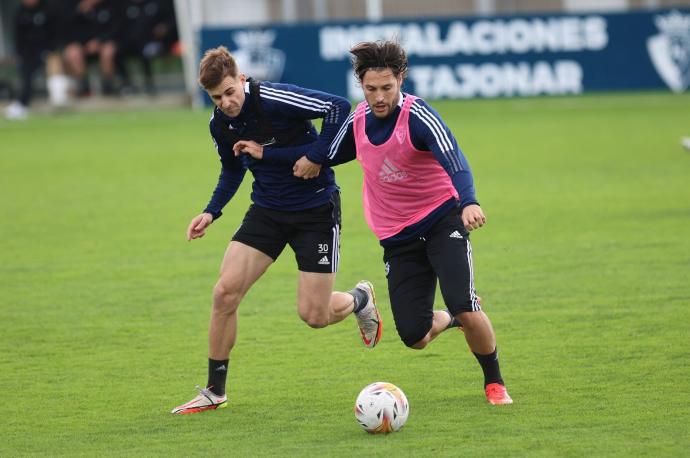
(192, 14)
(595, 5)
(233, 12)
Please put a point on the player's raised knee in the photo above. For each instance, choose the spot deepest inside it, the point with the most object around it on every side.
(414, 335)
(419, 345)
(414, 340)
(314, 320)
(313, 315)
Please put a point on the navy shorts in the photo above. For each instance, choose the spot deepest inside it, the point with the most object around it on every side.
(313, 234)
(443, 254)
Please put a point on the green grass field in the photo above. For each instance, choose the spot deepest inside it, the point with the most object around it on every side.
(584, 268)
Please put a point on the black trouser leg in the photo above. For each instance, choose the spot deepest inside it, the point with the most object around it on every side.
(27, 70)
(148, 74)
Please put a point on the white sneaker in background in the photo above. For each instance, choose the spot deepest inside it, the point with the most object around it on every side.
(16, 112)
(685, 141)
(58, 90)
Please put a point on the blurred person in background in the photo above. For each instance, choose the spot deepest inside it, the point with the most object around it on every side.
(148, 31)
(90, 28)
(5, 88)
(36, 33)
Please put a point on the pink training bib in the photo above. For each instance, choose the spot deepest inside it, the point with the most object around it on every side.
(402, 184)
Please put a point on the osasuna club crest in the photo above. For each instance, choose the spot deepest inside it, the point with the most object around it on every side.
(400, 134)
(256, 57)
(670, 49)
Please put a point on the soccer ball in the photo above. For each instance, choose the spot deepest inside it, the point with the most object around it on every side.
(381, 408)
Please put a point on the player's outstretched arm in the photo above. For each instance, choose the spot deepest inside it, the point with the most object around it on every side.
(197, 228)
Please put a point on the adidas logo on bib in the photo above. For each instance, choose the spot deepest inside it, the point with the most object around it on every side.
(324, 261)
(456, 235)
(390, 173)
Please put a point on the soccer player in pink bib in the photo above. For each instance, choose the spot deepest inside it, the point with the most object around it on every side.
(419, 200)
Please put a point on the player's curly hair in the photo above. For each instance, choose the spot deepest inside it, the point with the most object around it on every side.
(215, 66)
(379, 55)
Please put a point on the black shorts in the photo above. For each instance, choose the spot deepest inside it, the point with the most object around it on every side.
(443, 253)
(313, 234)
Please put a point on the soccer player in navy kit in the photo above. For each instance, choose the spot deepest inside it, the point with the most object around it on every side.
(254, 126)
(419, 199)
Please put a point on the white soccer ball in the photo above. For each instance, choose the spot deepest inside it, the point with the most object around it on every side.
(381, 408)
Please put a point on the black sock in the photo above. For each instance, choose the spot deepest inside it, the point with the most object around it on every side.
(360, 299)
(217, 372)
(489, 363)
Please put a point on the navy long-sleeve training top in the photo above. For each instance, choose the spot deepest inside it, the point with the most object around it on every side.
(275, 186)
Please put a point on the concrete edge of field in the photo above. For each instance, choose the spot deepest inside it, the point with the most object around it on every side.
(95, 104)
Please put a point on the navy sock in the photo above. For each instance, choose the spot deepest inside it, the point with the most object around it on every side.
(360, 299)
(217, 373)
(489, 363)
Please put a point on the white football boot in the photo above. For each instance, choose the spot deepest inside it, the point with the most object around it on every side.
(368, 319)
(206, 400)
